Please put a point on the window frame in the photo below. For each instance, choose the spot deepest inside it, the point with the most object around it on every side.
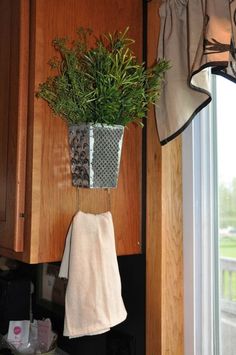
(200, 226)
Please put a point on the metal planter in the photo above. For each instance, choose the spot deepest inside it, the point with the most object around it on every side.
(95, 155)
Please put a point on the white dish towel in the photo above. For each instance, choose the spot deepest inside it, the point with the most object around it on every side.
(93, 301)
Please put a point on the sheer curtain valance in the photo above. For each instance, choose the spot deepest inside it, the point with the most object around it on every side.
(194, 35)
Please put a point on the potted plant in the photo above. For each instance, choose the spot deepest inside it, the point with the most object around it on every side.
(98, 90)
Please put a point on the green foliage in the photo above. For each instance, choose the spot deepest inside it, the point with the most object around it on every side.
(103, 84)
(227, 205)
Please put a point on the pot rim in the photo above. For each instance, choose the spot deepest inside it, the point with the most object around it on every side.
(100, 125)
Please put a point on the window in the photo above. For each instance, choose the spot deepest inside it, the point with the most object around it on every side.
(209, 199)
(226, 142)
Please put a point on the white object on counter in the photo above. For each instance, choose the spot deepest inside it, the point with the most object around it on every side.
(18, 333)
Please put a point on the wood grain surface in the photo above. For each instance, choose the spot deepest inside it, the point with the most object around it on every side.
(164, 281)
(14, 16)
(51, 200)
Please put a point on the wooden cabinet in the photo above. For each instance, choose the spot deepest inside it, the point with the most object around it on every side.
(14, 29)
(37, 200)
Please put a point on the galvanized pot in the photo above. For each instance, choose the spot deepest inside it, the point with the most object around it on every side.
(95, 154)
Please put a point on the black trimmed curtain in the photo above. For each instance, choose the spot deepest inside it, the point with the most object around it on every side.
(195, 35)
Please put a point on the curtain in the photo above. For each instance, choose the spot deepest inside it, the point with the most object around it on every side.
(195, 36)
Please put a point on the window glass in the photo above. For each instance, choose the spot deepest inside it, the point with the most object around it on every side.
(226, 146)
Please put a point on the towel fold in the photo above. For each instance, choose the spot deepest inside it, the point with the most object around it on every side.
(93, 301)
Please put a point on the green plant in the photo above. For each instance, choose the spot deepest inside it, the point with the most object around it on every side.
(103, 84)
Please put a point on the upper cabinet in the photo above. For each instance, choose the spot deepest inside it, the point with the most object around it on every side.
(37, 199)
(14, 29)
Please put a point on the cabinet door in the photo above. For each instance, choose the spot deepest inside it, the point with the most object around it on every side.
(51, 199)
(13, 110)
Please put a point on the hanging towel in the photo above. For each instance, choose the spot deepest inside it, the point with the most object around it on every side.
(93, 301)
